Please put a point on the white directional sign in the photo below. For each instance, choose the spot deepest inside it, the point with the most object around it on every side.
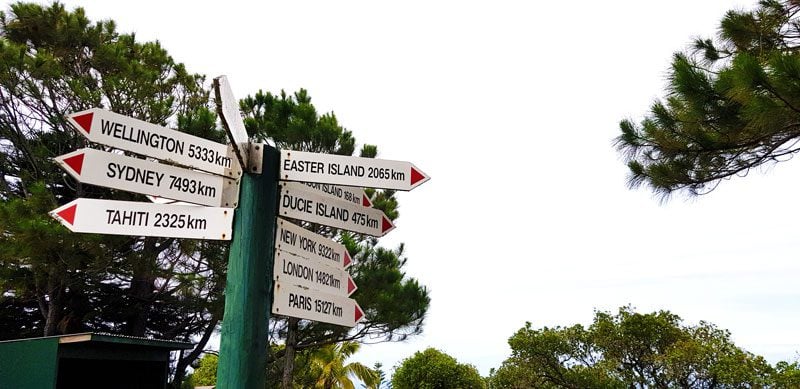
(347, 193)
(297, 240)
(145, 219)
(299, 202)
(126, 133)
(296, 301)
(151, 178)
(309, 273)
(349, 171)
(228, 110)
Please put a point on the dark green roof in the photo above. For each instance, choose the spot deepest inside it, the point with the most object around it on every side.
(111, 338)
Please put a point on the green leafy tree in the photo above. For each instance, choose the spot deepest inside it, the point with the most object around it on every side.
(394, 305)
(787, 375)
(328, 363)
(54, 62)
(205, 372)
(433, 369)
(732, 104)
(633, 350)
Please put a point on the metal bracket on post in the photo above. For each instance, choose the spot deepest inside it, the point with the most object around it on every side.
(230, 193)
(235, 170)
(256, 158)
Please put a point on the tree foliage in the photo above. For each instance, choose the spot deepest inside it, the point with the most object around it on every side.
(205, 372)
(54, 62)
(328, 363)
(324, 367)
(433, 369)
(732, 104)
(381, 381)
(634, 350)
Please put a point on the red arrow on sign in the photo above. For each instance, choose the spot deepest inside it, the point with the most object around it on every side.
(386, 225)
(84, 121)
(351, 286)
(68, 214)
(75, 162)
(365, 202)
(358, 313)
(346, 261)
(416, 176)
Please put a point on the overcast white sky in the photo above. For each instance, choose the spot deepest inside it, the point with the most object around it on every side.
(511, 107)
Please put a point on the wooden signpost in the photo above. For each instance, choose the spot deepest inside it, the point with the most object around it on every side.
(248, 291)
(309, 271)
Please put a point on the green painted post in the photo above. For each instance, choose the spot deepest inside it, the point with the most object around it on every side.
(248, 292)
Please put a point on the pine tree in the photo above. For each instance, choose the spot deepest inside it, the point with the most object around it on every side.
(732, 104)
(54, 62)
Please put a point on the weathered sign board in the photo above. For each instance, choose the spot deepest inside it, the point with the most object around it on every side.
(136, 175)
(350, 171)
(145, 219)
(297, 240)
(312, 274)
(140, 137)
(228, 110)
(298, 202)
(296, 301)
(347, 193)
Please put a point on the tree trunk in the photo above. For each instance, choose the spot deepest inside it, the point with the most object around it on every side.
(141, 294)
(55, 308)
(185, 361)
(142, 287)
(291, 342)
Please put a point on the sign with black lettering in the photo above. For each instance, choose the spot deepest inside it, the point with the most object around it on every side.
(299, 302)
(140, 137)
(136, 175)
(145, 219)
(346, 193)
(299, 202)
(297, 240)
(312, 274)
(350, 171)
(228, 110)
